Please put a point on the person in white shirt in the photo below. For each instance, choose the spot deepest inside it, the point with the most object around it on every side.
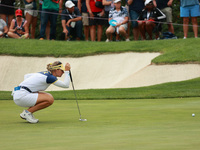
(28, 93)
(3, 28)
(120, 14)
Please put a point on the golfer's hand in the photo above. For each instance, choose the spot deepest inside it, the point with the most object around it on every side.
(67, 67)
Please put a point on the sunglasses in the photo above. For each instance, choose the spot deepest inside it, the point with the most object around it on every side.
(19, 16)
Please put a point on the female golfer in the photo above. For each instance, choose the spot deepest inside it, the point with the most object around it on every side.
(28, 93)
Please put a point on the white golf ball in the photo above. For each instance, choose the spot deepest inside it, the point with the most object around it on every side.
(193, 115)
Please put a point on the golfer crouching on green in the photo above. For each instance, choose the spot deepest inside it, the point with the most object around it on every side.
(28, 93)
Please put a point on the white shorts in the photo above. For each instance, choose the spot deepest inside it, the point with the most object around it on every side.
(33, 13)
(24, 98)
(125, 26)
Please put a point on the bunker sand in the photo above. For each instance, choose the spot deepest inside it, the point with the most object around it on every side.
(122, 70)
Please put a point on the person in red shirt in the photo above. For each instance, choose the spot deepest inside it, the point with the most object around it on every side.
(95, 14)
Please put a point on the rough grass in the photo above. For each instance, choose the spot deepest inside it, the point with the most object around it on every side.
(189, 88)
(174, 51)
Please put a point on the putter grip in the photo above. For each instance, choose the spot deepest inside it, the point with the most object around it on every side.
(70, 75)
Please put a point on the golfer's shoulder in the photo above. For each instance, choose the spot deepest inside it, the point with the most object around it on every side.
(48, 76)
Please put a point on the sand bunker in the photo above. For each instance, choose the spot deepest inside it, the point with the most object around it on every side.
(102, 71)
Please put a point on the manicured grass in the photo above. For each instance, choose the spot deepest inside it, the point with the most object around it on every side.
(189, 88)
(159, 124)
(174, 51)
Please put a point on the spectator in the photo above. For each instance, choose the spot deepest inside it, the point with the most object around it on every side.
(50, 10)
(135, 9)
(48, 24)
(31, 14)
(120, 14)
(189, 8)
(3, 28)
(71, 20)
(108, 5)
(148, 20)
(85, 17)
(166, 7)
(129, 23)
(18, 28)
(95, 14)
(7, 10)
(75, 2)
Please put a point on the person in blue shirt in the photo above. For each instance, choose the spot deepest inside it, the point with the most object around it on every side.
(189, 8)
(29, 92)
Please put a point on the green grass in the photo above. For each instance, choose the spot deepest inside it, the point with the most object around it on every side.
(112, 125)
(118, 119)
(174, 51)
(189, 88)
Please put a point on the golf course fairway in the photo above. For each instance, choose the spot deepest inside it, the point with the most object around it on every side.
(141, 124)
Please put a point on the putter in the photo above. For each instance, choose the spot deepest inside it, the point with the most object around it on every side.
(70, 74)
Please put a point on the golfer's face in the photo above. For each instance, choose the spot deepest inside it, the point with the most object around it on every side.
(59, 73)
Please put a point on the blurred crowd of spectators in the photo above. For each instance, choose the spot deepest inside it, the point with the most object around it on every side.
(85, 19)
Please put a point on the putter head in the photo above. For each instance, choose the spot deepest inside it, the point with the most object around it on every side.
(82, 119)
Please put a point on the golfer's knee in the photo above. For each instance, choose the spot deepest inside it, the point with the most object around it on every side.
(50, 99)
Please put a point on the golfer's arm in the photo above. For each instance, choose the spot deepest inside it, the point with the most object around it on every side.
(65, 83)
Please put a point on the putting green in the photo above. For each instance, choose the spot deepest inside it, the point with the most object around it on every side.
(158, 124)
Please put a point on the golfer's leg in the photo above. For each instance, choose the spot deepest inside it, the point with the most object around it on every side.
(44, 100)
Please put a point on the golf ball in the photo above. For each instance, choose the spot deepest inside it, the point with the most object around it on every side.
(193, 115)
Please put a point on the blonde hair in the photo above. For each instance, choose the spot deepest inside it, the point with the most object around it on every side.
(50, 66)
